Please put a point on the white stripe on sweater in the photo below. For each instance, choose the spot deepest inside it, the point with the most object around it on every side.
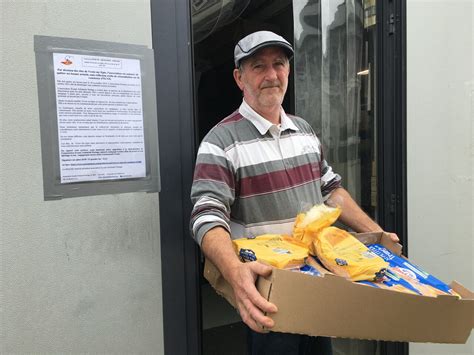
(205, 200)
(209, 148)
(260, 151)
(328, 176)
(208, 219)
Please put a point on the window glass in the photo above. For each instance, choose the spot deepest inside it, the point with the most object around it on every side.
(334, 65)
(333, 82)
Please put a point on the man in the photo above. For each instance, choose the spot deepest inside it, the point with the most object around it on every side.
(254, 173)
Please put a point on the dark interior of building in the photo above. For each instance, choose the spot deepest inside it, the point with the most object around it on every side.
(217, 96)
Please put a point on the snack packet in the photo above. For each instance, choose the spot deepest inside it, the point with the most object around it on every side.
(344, 255)
(312, 267)
(278, 250)
(392, 282)
(308, 270)
(418, 279)
(339, 251)
(308, 224)
(392, 287)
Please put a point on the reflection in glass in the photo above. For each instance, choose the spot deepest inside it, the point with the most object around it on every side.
(333, 82)
(209, 15)
(332, 86)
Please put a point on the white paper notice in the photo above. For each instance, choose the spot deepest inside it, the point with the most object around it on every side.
(100, 118)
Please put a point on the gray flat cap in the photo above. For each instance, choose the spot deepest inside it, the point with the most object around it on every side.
(258, 40)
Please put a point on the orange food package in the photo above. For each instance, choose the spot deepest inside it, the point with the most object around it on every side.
(344, 255)
(338, 250)
(308, 224)
(280, 251)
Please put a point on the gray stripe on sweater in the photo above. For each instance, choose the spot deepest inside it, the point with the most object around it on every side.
(276, 205)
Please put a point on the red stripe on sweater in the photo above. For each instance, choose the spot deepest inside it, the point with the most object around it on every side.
(233, 117)
(215, 173)
(279, 180)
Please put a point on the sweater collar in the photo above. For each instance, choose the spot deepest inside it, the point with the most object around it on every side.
(261, 123)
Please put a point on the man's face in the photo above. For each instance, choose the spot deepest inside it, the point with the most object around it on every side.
(263, 78)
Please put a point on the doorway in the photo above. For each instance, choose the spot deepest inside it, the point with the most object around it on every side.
(183, 120)
(217, 95)
(331, 86)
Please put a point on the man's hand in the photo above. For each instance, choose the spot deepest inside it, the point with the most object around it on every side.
(250, 303)
(217, 246)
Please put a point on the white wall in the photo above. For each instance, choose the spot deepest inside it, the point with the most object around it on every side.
(81, 274)
(440, 101)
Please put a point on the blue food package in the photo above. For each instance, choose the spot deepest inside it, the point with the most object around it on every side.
(392, 280)
(399, 266)
(310, 267)
(309, 270)
(391, 285)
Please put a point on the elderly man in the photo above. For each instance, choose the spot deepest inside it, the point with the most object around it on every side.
(254, 171)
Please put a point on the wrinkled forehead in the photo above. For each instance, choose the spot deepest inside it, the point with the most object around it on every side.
(267, 54)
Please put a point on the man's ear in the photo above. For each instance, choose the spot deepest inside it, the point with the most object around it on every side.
(238, 79)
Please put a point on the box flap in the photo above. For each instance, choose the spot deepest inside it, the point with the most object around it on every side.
(379, 238)
(463, 291)
(466, 294)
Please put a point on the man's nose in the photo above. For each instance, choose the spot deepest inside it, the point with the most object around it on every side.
(271, 73)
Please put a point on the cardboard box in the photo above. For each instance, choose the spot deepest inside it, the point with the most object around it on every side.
(333, 306)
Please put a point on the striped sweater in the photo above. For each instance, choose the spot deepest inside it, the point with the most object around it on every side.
(253, 177)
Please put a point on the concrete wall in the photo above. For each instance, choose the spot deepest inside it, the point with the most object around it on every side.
(81, 274)
(440, 94)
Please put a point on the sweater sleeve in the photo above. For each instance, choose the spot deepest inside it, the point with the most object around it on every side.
(329, 179)
(213, 190)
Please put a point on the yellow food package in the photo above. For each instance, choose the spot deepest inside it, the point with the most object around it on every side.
(308, 224)
(278, 250)
(398, 288)
(392, 287)
(344, 255)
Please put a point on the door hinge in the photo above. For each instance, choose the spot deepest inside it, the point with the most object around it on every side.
(391, 24)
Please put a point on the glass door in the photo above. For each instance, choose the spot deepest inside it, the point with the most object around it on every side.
(334, 65)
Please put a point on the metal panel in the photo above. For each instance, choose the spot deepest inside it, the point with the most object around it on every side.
(391, 121)
(171, 30)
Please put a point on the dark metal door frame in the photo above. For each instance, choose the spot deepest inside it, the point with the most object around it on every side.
(171, 36)
(391, 128)
(172, 42)
(391, 117)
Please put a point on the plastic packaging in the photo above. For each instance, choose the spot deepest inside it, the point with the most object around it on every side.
(312, 267)
(281, 251)
(339, 251)
(388, 286)
(308, 224)
(308, 270)
(344, 255)
(419, 280)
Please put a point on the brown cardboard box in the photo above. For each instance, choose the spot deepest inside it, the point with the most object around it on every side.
(333, 306)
